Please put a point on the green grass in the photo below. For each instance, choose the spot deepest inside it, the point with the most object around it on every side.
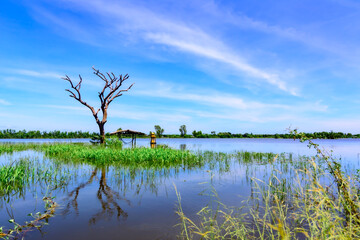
(16, 176)
(141, 157)
(10, 147)
(111, 154)
(114, 153)
(13, 177)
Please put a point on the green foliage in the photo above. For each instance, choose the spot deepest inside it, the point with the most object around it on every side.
(182, 130)
(10, 133)
(224, 135)
(198, 134)
(18, 175)
(158, 131)
(319, 135)
(112, 153)
(9, 148)
(13, 177)
(114, 142)
(141, 157)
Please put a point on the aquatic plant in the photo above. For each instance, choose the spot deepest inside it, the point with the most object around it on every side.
(141, 157)
(10, 147)
(19, 174)
(38, 221)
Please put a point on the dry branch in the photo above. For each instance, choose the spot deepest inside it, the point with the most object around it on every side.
(110, 91)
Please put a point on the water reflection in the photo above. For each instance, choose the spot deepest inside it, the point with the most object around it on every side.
(73, 195)
(109, 202)
(98, 203)
(183, 147)
(107, 197)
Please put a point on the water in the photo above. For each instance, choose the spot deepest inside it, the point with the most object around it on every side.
(346, 148)
(130, 203)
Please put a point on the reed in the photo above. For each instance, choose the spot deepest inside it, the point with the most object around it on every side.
(141, 157)
(317, 201)
(11, 147)
(18, 175)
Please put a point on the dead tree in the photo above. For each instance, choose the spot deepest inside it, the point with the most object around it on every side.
(110, 91)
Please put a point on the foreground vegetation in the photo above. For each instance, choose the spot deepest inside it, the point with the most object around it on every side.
(319, 201)
(16, 176)
(25, 174)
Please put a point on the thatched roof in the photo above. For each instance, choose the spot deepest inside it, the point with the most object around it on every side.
(128, 131)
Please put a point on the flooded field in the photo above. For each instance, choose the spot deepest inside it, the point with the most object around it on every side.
(140, 202)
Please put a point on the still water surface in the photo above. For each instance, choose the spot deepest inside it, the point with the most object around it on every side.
(123, 203)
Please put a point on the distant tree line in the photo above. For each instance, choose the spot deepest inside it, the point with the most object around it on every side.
(213, 134)
(199, 134)
(10, 133)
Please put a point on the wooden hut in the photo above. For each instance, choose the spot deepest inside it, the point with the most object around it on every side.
(128, 132)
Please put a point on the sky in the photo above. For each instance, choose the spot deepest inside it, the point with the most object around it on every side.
(225, 66)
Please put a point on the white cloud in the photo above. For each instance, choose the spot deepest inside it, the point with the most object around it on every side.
(32, 73)
(218, 99)
(151, 26)
(222, 55)
(313, 37)
(126, 112)
(4, 102)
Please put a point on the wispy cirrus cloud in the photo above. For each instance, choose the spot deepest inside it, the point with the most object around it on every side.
(125, 112)
(308, 38)
(152, 27)
(33, 73)
(220, 99)
(4, 102)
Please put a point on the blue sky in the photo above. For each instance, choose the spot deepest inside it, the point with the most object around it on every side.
(238, 66)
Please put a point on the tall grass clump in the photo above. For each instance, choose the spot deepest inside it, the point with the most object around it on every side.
(319, 201)
(16, 147)
(111, 153)
(114, 142)
(18, 175)
(13, 177)
(142, 157)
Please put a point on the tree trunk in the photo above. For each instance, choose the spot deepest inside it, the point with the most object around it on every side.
(102, 133)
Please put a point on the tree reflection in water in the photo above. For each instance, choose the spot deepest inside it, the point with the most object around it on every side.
(107, 197)
(131, 179)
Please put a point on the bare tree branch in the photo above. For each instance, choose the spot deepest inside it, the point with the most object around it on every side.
(110, 91)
